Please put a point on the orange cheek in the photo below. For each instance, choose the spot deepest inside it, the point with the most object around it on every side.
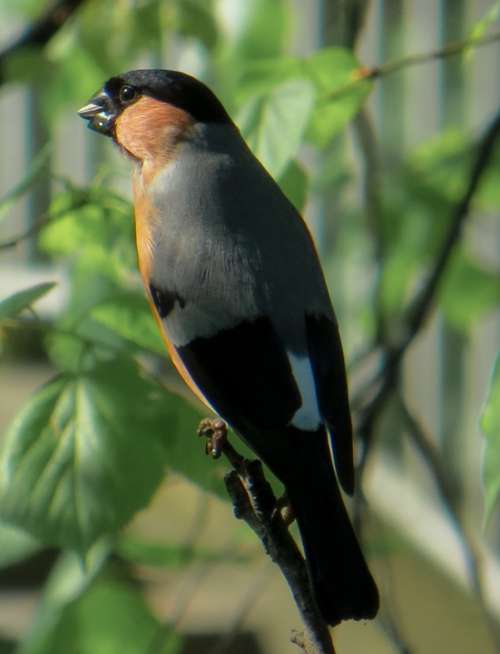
(150, 129)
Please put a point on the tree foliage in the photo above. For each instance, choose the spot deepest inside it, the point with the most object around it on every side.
(90, 448)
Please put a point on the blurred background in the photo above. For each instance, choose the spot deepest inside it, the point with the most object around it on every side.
(376, 148)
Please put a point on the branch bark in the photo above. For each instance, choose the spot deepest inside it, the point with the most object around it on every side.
(390, 67)
(39, 33)
(255, 503)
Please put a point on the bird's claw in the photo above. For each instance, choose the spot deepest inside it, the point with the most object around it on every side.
(215, 431)
(286, 509)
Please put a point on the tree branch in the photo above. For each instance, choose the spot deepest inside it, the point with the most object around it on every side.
(419, 308)
(81, 199)
(39, 33)
(421, 304)
(255, 503)
(384, 384)
(383, 70)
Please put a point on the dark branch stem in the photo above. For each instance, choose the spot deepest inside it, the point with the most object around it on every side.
(39, 33)
(419, 308)
(43, 221)
(448, 50)
(255, 503)
(385, 383)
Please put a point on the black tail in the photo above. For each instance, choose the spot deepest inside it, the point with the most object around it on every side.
(342, 583)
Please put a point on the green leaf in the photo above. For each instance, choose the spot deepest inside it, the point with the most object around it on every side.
(468, 292)
(443, 162)
(488, 197)
(195, 18)
(67, 581)
(112, 616)
(16, 545)
(74, 76)
(261, 76)
(155, 554)
(89, 450)
(129, 316)
(23, 8)
(481, 26)
(95, 229)
(14, 304)
(330, 70)
(267, 118)
(252, 29)
(96, 611)
(490, 425)
(65, 349)
(27, 65)
(398, 270)
(83, 456)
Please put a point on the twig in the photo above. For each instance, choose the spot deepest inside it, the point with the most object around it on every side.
(255, 503)
(16, 240)
(43, 220)
(419, 308)
(385, 383)
(39, 33)
(383, 70)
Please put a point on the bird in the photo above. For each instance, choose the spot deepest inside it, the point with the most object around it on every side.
(237, 289)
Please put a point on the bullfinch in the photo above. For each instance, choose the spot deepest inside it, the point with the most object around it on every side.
(235, 284)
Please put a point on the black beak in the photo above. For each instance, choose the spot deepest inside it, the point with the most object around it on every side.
(100, 113)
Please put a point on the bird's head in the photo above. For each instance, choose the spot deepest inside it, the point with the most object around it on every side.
(147, 110)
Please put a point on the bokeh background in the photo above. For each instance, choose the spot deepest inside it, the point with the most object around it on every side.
(378, 167)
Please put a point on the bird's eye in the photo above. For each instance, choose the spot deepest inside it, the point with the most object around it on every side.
(127, 94)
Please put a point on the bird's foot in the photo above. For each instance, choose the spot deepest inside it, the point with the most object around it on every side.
(215, 431)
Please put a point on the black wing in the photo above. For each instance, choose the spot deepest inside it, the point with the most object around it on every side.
(245, 375)
(327, 358)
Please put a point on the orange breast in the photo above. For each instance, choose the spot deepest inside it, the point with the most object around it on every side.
(144, 227)
(176, 360)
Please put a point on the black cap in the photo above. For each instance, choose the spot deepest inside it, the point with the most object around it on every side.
(176, 88)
